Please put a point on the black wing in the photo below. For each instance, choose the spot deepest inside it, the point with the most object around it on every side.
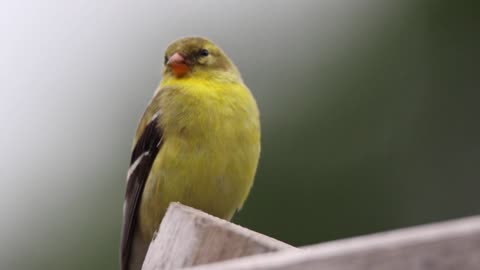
(143, 155)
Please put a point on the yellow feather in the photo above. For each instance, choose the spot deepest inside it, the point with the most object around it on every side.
(210, 151)
(210, 129)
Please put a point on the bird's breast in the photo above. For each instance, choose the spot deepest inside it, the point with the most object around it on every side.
(209, 154)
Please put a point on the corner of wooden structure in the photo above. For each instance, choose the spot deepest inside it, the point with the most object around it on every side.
(189, 237)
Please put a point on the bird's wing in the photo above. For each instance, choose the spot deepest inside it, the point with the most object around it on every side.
(143, 156)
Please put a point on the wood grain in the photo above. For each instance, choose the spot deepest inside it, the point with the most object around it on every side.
(189, 237)
(453, 245)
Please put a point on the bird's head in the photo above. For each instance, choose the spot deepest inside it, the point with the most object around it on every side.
(197, 56)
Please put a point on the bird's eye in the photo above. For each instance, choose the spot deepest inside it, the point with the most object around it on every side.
(165, 60)
(203, 52)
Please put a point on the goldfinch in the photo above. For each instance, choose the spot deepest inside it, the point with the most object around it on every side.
(197, 143)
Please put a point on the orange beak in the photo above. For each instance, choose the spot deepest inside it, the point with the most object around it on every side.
(178, 64)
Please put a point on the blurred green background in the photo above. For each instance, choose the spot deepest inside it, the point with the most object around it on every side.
(370, 115)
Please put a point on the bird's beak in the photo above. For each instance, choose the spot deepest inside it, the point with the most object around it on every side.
(178, 64)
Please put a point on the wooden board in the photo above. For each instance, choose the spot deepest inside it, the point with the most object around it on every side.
(453, 245)
(189, 237)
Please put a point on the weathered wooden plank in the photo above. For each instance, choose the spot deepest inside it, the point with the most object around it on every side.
(189, 237)
(453, 245)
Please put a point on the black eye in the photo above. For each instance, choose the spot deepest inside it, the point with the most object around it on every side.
(203, 52)
(165, 60)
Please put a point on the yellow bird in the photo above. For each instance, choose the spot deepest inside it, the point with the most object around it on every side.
(197, 143)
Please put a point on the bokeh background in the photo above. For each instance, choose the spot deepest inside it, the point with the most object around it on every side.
(369, 108)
